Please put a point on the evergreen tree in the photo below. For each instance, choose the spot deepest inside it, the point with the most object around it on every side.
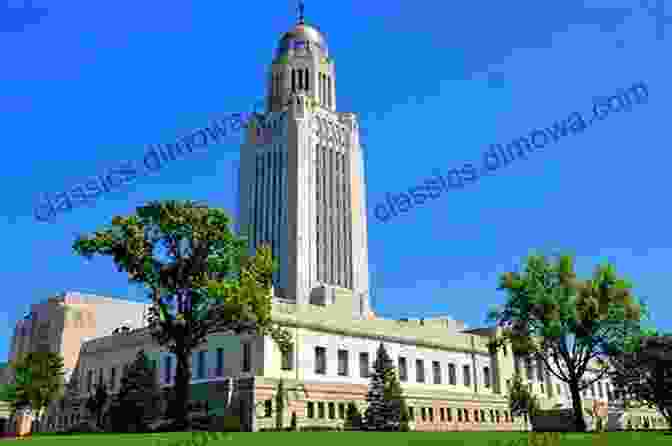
(137, 402)
(387, 408)
(521, 401)
(96, 403)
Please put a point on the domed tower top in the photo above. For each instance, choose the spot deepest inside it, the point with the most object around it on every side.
(302, 32)
(302, 66)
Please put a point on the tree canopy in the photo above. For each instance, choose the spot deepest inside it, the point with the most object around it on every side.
(38, 380)
(569, 324)
(198, 275)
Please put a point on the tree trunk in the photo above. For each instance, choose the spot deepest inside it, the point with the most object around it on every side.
(182, 381)
(579, 420)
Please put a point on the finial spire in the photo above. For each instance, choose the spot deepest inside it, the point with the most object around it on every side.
(301, 8)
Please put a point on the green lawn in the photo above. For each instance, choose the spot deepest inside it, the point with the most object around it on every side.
(349, 438)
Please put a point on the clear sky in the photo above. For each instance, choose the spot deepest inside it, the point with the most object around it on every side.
(85, 85)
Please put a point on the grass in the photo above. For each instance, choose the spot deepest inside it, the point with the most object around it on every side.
(352, 439)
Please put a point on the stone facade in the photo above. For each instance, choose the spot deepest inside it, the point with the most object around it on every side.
(302, 189)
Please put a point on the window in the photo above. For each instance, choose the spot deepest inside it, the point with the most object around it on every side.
(467, 375)
(341, 411)
(219, 371)
(411, 415)
(419, 371)
(320, 410)
(482, 416)
(320, 361)
(436, 368)
(452, 378)
(459, 415)
(529, 387)
(508, 384)
(506, 350)
(599, 390)
(497, 416)
(201, 364)
(442, 414)
(540, 371)
(558, 389)
(608, 389)
(342, 363)
(89, 380)
(423, 413)
(167, 369)
(592, 389)
(332, 411)
(311, 409)
(476, 415)
(506, 416)
(113, 378)
(100, 377)
(403, 369)
(450, 414)
(364, 365)
(288, 358)
(268, 408)
(247, 356)
(466, 415)
(541, 386)
(431, 414)
(486, 376)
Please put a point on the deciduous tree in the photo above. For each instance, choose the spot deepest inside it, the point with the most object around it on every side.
(198, 275)
(567, 323)
(643, 371)
(38, 380)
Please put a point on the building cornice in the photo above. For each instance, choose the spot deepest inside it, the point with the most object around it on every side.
(362, 332)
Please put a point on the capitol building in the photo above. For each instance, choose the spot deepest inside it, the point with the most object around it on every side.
(302, 189)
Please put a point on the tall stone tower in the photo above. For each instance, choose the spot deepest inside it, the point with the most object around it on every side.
(302, 187)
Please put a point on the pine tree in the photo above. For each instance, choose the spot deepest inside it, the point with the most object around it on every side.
(136, 404)
(96, 403)
(521, 401)
(387, 408)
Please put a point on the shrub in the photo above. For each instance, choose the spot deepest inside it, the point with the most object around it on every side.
(353, 417)
(319, 429)
(543, 439)
(82, 428)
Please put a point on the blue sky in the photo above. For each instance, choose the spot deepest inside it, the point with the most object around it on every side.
(85, 85)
